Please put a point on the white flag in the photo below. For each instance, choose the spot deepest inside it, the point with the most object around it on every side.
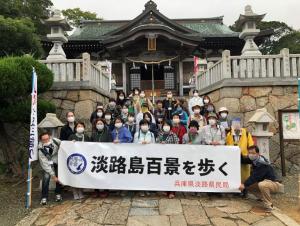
(33, 137)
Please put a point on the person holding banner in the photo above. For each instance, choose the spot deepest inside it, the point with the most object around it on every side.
(263, 174)
(68, 129)
(166, 136)
(193, 135)
(48, 157)
(144, 135)
(239, 136)
(81, 137)
(213, 134)
(121, 134)
(102, 133)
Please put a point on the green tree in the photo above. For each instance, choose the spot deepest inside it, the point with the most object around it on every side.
(15, 102)
(36, 10)
(280, 29)
(18, 37)
(74, 16)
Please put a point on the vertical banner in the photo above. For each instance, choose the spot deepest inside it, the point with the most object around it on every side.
(33, 137)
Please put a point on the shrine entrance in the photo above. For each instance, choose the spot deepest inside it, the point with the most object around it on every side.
(163, 78)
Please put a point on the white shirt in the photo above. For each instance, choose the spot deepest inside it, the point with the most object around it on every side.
(140, 137)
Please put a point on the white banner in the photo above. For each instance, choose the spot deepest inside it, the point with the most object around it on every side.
(151, 167)
(33, 137)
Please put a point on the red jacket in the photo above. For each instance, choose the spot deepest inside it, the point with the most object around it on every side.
(179, 131)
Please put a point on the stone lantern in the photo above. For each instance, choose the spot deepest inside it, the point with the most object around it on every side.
(261, 120)
(51, 123)
(59, 26)
(248, 23)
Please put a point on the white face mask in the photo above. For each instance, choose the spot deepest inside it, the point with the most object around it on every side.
(206, 101)
(100, 127)
(136, 92)
(144, 128)
(212, 122)
(252, 157)
(47, 144)
(166, 129)
(196, 94)
(99, 114)
(71, 119)
(130, 119)
(224, 114)
(107, 117)
(125, 110)
(197, 111)
(142, 95)
(121, 97)
(176, 120)
(80, 130)
(118, 125)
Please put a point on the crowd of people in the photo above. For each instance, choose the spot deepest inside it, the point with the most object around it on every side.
(135, 119)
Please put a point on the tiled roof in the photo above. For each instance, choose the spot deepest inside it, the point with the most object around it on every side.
(96, 30)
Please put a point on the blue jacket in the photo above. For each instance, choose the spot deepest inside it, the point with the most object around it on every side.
(124, 135)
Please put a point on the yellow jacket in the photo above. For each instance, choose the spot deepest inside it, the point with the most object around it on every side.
(244, 142)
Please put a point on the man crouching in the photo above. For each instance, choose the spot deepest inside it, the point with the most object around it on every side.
(263, 174)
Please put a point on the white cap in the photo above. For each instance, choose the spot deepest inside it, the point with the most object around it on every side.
(223, 109)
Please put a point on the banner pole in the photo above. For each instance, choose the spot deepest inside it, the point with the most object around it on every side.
(28, 194)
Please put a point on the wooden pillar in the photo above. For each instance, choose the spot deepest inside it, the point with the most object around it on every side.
(180, 78)
(124, 77)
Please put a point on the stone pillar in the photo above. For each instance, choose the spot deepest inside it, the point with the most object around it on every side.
(86, 67)
(124, 75)
(226, 64)
(180, 78)
(285, 53)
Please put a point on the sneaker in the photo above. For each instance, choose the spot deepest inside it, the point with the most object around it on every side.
(80, 195)
(44, 201)
(269, 209)
(76, 196)
(171, 195)
(58, 198)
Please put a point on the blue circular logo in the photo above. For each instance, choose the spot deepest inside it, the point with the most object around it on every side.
(76, 163)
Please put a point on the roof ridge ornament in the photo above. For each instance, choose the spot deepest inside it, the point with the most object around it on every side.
(150, 5)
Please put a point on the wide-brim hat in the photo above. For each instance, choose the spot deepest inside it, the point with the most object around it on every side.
(212, 114)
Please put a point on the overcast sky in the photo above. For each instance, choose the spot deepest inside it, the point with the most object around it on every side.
(287, 11)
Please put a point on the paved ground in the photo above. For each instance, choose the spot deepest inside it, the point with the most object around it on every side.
(156, 210)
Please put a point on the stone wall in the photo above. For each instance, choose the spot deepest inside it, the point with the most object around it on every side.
(81, 102)
(243, 101)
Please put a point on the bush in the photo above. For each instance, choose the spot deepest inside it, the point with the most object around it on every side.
(16, 77)
(16, 87)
